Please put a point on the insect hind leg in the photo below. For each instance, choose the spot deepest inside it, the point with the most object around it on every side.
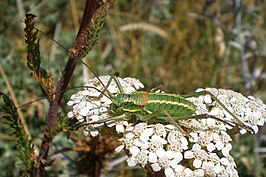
(238, 121)
(153, 115)
(176, 123)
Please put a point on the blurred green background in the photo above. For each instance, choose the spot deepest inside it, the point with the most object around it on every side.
(182, 45)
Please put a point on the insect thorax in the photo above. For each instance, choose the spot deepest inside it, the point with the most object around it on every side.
(138, 98)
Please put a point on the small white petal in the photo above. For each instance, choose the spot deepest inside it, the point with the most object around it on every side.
(179, 168)
(80, 118)
(138, 142)
(170, 154)
(82, 104)
(174, 163)
(94, 118)
(145, 146)
(224, 161)
(131, 162)
(217, 168)
(188, 155)
(119, 128)
(84, 111)
(125, 123)
(204, 165)
(210, 147)
(209, 164)
(152, 157)
(155, 167)
(255, 129)
(225, 151)
(85, 92)
(215, 111)
(119, 148)
(207, 99)
(211, 122)
(96, 111)
(170, 126)
(145, 136)
(160, 153)
(184, 143)
(178, 156)
(161, 140)
(261, 122)
(106, 100)
(70, 103)
(129, 135)
(176, 160)
(199, 90)
(70, 114)
(193, 137)
(134, 150)
(94, 133)
(85, 133)
(256, 114)
(198, 173)
(188, 172)
(103, 109)
(197, 163)
(196, 146)
(243, 131)
(168, 172)
(227, 115)
(215, 136)
(219, 145)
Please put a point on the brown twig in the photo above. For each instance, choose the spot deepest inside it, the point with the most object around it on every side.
(14, 99)
(74, 14)
(89, 11)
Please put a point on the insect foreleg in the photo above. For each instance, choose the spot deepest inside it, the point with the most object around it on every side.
(113, 77)
(111, 120)
(106, 87)
(118, 83)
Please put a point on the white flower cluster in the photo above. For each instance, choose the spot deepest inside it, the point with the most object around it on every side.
(92, 104)
(204, 150)
(249, 110)
(163, 147)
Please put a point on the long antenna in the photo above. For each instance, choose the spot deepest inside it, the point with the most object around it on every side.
(105, 87)
(67, 51)
(29, 14)
(34, 101)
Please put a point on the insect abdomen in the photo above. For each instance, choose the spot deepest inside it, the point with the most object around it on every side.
(174, 105)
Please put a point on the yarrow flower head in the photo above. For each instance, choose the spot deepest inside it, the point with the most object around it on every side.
(191, 147)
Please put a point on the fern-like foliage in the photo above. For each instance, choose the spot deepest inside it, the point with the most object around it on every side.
(44, 78)
(24, 146)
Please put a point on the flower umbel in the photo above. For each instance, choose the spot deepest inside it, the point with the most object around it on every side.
(204, 148)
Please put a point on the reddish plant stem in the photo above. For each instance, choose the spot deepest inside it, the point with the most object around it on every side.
(90, 9)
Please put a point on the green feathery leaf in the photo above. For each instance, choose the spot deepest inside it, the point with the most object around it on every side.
(24, 146)
(33, 58)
